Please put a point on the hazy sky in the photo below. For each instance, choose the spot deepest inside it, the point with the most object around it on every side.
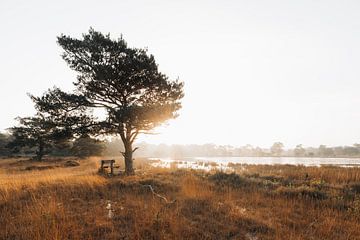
(255, 71)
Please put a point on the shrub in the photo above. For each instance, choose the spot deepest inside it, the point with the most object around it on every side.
(232, 179)
(355, 188)
(303, 192)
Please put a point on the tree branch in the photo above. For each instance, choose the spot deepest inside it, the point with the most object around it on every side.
(135, 149)
(158, 195)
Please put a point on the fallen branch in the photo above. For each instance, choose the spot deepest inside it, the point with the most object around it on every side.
(158, 195)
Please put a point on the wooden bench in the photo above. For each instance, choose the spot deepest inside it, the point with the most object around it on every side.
(108, 164)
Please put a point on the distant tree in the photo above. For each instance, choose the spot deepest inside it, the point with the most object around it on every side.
(124, 81)
(299, 151)
(277, 148)
(322, 151)
(338, 151)
(209, 149)
(258, 152)
(247, 150)
(62, 148)
(85, 146)
(351, 151)
(224, 150)
(145, 150)
(357, 145)
(325, 151)
(4, 141)
(162, 150)
(177, 151)
(35, 133)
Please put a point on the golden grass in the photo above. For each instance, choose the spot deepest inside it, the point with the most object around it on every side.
(13, 180)
(330, 174)
(261, 202)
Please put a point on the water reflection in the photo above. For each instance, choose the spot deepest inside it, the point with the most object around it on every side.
(227, 163)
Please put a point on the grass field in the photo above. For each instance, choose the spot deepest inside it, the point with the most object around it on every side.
(52, 201)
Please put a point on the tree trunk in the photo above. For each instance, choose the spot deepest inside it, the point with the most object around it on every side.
(129, 170)
(40, 152)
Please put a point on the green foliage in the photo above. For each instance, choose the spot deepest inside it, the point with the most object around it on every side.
(302, 192)
(355, 188)
(317, 183)
(232, 179)
(354, 208)
(86, 146)
(4, 141)
(62, 148)
(124, 81)
(37, 133)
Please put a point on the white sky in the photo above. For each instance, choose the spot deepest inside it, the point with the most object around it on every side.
(255, 71)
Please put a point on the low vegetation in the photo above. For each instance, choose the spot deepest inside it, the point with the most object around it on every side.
(56, 200)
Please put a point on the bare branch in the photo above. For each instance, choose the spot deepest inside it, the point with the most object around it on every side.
(135, 149)
(158, 195)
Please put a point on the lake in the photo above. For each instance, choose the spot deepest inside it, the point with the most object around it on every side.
(208, 163)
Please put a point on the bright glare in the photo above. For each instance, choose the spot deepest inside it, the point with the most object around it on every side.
(255, 71)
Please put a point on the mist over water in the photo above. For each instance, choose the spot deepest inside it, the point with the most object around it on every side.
(227, 163)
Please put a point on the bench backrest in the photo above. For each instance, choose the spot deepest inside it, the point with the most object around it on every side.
(107, 161)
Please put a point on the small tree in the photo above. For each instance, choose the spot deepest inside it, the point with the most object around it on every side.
(35, 133)
(324, 151)
(123, 81)
(299, 151)
(258, 152)
(85, 146)
(4, 141)
(277, 148)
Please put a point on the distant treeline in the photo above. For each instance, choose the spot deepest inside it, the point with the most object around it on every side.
(212, 150)
(87, 146)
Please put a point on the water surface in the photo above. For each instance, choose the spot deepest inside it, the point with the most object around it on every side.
(223, 163)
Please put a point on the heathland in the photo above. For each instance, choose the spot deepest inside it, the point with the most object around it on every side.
(65, 198)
